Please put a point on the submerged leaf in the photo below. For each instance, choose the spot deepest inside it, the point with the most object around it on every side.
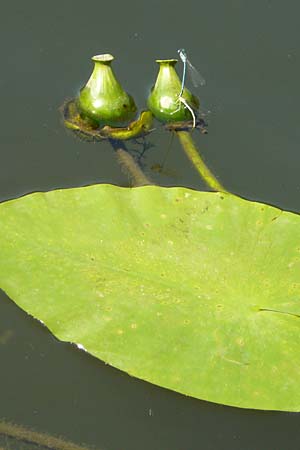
(193, 291)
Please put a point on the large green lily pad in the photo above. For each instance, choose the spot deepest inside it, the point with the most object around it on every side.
(193, 291)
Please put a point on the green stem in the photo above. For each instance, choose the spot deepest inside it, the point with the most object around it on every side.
(32, 437)
(193, 154)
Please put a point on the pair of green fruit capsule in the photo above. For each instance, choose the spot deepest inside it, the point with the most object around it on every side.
(103, 101)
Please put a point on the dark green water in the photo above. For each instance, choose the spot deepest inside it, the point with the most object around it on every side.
(249, 54)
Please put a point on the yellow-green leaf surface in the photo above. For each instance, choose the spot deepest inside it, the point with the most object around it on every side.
(193, 291)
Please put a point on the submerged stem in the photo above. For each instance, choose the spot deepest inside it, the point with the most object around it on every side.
(32, 437)
(128, 163)
(192, 153)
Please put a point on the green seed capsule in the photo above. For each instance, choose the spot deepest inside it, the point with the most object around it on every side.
(164, 100)
(102, 101)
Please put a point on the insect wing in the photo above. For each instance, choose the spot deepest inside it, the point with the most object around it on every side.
(196, 78)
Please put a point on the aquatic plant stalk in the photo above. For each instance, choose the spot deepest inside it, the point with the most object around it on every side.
(129, 165)
(192, 153)
(32, 437)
